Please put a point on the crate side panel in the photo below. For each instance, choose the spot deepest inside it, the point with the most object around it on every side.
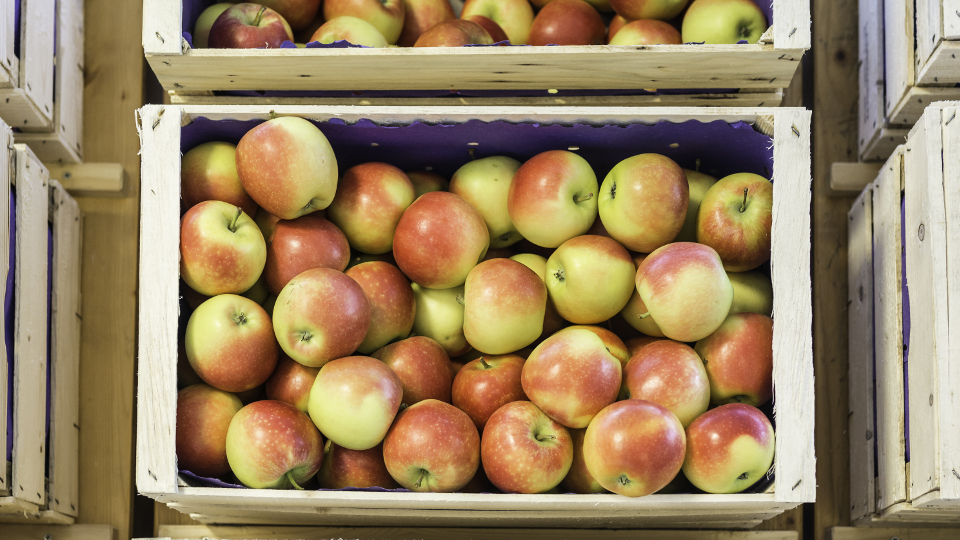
(7, 175)
(37, 54)
(951, 19)
(162, 32)
(791, 27)
(9, 65)
(872, 117)
(916, 101)
(68, 120)
(898, 17)
(928, 29)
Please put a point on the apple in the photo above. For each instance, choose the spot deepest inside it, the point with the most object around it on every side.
(249, 26)
(616, 23)
(735, 219)
(643, 201)
(320, 315)
(385, 15)
(259, 292)
(571, 376)
(393, 307)
(273, 445)
(287, 166)
(699, 185)
(647, 32)
(599, 5)
(614, 344)
(249, 396)
(637, 343)
(590, 279)
(422, 366)
(221, 249)
(343, 468)
(479, 483)
(439, 317)
(422, 15)
(300, 244)
(203, 417)
(579, 479)
(350, 29)
(739, 360)
(567, 22)
(662, 10)
(497, 253)
(723, 21)
(229, 343)
(504, 305)
(634, 447)
(417, 459)
(267, 223)
(729, 448)
(636, 314)
(358, 258)
(291, 383)
(553, 197)
(298, 13)
(485, 183)
(487, 383)
(303, 35)
(752, 292)
(370, 199)
(201, 30)
(426, 181)
(669, 374)
(552, 321)
(523, 450)
(439, 239)
(686, 290)
(455, 33)
(186, 376)
(496, 33)
(354, 400)
(515, 17)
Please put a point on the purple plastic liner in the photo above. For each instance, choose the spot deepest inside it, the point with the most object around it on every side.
(905, 295)
(16, 28)
(9, 299)
(49, 378)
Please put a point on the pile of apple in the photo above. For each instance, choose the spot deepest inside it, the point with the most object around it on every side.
(515, 278)
(433, 23)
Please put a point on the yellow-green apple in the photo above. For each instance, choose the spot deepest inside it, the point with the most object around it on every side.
(350, 29)
(515, 17)
(686, 290)
(418, 460)
(504, 305)
(670, 374)
(729, 448)
(590, 279)
(208, 172)
(663, 10)
(752, 292)
(201, 30)
(426, 181)
(203, 417)
(643, 201)
(259, 292)
(634, 447)
(440, 317)
(739, 360)
(249, 26)
(298, 13)
(439, 239)
(287, 166)
(636, 343)
(552, 321)
(485, 183)
(647, 32)
(455, 33)
(723, 21)
(354, 400)
(422, 15)
(320, 315)
(291, 382)
(636, 313)
(370, 199)
(523, 450)
(422, 366)
(229, 343)
(386, 15)
(579, 479)
(735, 218)
(699, 185)
(553, 197)
(487, 383)
(571, 376)
(221, 249)
(300, 244)
(273, 445)
(393, 307)
(567, 22)
(267, 223)
(610, 340)
(343, 468)
(616, 23)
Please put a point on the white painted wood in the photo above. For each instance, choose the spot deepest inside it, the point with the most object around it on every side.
(9, 64)
(7, 175)
(791, 25)
(30, 105)
(162, 27)
(951, 19)
(883, 144)
(853, 177)
(872, 113)
(899, 23)
(59, 532)
(91, 179)
(68, 103)
(860, 345)
(929, 29)
(916, 101)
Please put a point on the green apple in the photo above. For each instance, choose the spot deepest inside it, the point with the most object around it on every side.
(485, 183)
(752, 292)
(723, 21)
(504, 305)
(699, 185)
(351, 29)
(439, 316)
(590, 279)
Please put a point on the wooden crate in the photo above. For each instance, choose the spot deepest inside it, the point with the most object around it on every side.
(40, 483)
(41, 85)
(765, 68)
(157, 475)
(904, 431)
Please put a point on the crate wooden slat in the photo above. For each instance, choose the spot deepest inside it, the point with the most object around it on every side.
(160, 131)
(9, 64)
(59, 532)
(28, 102)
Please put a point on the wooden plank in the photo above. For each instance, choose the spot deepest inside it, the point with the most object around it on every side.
(9, 64)
(941, 68)
(791, 26)
(916, 100)
(30, 105)
(929, 29)
(876, 533)
(162, 27)
(899, 54)
(851, 177)
(59, 532)
(7, 175)
(951, 19)
(872, 112)
(91, 179)
(861, 356)
(883, 144)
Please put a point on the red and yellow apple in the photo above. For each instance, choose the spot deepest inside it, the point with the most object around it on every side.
(487, 383)
(636, 313)
(291, 383)
(567, 22)
(349, 29)
(439, 316)
(422, 367)
(203, 417)
(393, 307)
(515, 17)
(455, 33)
(208, 172)
(671, 374)
(221, 249)
(525, 451)
(385, 15)
(298, 13)
(201, 30)
(426, 181)
(370, 199)
(249, 26)
(735, 219)
(579, 479)
(422, 15)
(663, 10)
(646, 32)
(301, 244)
(504, 305)
(485, 183)
(729, 448)
(343, 468)
(590, 279)
(723, 21)
(739, 360)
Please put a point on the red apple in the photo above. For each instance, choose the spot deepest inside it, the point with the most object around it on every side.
(301, 244)
(343, 467)
(590, 279)
(385, 15)
(614, 344)
(523, 450)
(504, 305)
(514, 17)
(393, 307)
(422, 15)
(422, 367)
(729, 448)
(663, 10)
(669, 374)
(370, 199)
(738, 358)
(201, 30)
(249, 26)
(221, 249)
(208, 172)
(298, 13)
(568, 22)
(455, 33)
(616, 23)
(637, 343)
(634, 447)
(426, 181)
(321, 315)
(492, 28)
(484, 385)
(417, 459)
(647, 32)
(291, 383)
(579, 479)
(735, 219)
(349, 29)
(203, 417)
(303, 35)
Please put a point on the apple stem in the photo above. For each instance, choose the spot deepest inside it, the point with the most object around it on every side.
(233, 224)
(743, 206)
(582, 198)
(256, 22)
(547, 438)
(697, 167)
(484, 363)
(460, 300)
(644, 315)
(423, 472)
(472, 154)
(292, 481)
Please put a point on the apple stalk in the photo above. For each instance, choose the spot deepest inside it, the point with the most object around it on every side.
(292, 481)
